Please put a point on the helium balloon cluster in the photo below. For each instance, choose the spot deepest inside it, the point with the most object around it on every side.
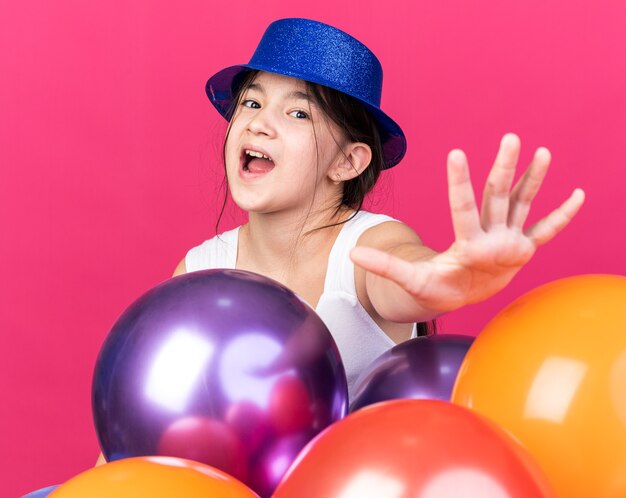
(224, 383)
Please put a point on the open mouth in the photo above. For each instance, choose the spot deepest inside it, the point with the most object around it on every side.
(255, 162)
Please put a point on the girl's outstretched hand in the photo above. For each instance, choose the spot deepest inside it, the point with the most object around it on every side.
(490, 246)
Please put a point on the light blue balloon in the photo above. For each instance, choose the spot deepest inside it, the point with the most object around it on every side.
(41, 493)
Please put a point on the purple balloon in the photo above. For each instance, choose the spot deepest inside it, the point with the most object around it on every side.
(219, 366)
(272, 465)
(420, 368)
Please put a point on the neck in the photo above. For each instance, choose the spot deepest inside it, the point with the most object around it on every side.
(278, 243)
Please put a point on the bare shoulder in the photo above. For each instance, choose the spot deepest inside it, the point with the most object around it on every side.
(387, 235)
(181, 268)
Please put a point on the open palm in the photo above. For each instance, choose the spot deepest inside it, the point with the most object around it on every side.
(490, 246)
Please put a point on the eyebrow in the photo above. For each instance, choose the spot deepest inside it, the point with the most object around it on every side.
(296, 94)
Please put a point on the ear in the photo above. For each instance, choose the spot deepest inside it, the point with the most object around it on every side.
(355, 159)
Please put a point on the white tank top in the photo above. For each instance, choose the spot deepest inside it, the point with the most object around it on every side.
(359, 339)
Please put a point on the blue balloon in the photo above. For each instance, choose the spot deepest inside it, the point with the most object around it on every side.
(41, 493)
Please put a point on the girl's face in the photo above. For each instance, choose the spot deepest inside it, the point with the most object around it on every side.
(276, 118)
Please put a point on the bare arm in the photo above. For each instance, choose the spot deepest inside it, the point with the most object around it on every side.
(390, 300)
(408, 282)
(181, 268)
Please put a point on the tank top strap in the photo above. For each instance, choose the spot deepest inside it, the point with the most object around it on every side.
(218, 252)
(340, 270)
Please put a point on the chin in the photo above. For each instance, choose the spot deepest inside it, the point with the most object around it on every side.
(250, 203)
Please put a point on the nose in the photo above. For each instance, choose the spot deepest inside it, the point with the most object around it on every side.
(261, 122)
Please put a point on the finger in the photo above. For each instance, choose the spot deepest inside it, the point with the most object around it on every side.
(465, 218)
(391, 267)
(495, 205)
(527, 187)
(545, 229)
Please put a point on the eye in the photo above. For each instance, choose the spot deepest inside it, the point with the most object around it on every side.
(299, 114)
(252, 104)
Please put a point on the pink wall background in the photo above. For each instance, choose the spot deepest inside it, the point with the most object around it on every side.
(108, 150)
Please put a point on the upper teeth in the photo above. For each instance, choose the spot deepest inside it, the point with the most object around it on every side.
(254, 153)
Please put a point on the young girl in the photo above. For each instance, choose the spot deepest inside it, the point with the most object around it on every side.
(306, 142)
